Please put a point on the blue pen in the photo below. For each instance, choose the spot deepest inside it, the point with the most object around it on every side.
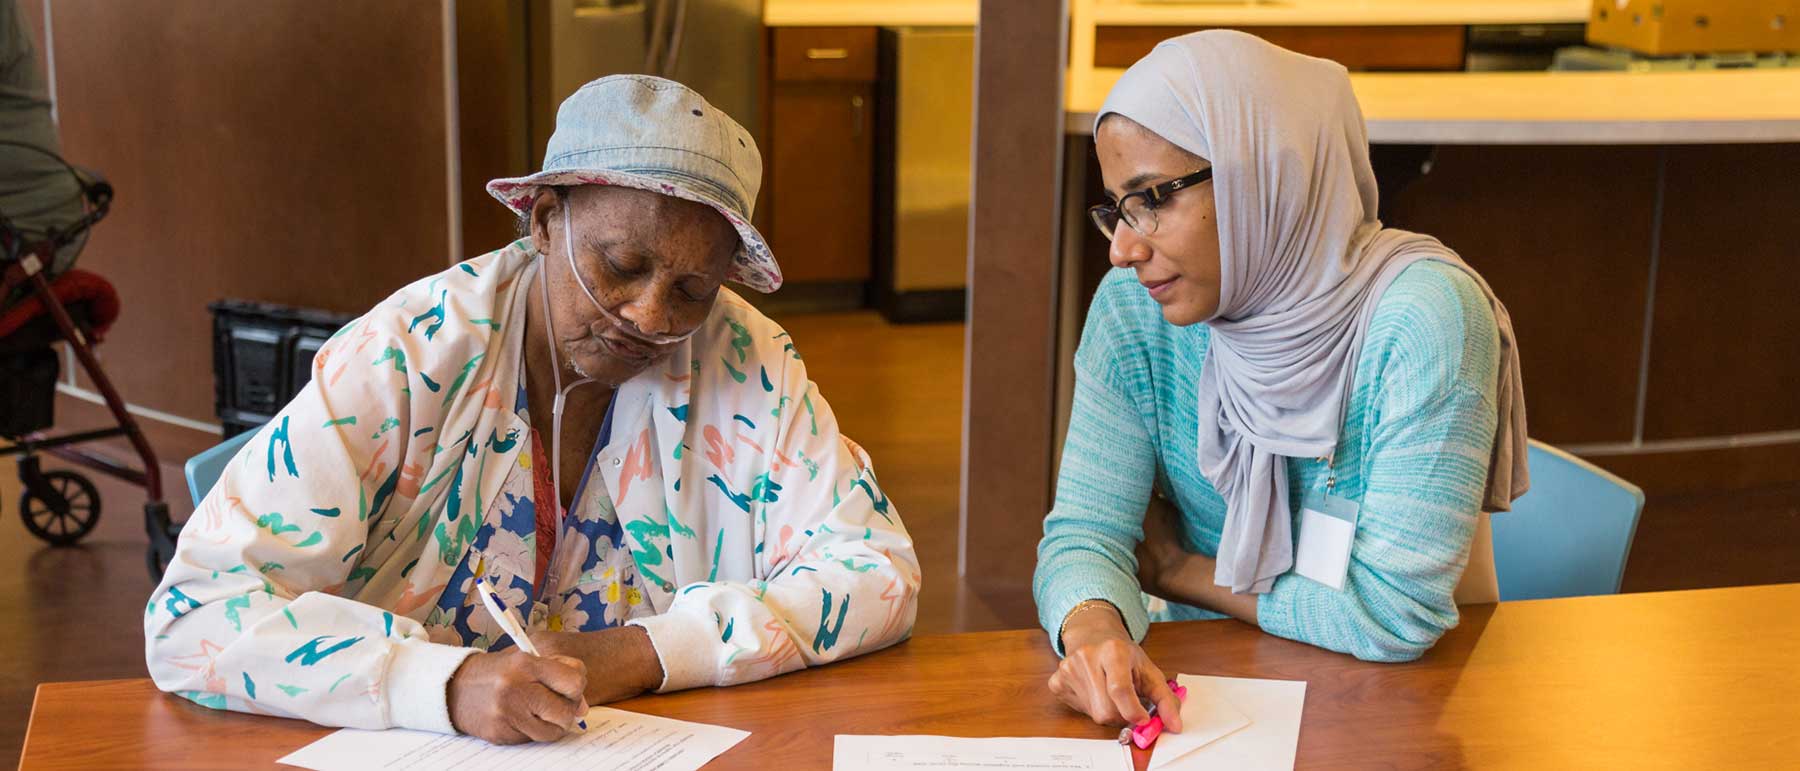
(509, 623)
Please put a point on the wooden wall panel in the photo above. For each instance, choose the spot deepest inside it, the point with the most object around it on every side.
(1725, 348)
(288, 151)
(1014, 224)
(1725, 469)
(493, 110)
(1563, 235)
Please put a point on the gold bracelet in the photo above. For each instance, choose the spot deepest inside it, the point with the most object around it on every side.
(1081, 606)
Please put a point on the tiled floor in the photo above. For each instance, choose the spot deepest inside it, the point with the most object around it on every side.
(73, 614)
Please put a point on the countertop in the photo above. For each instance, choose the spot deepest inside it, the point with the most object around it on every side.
(1548, 107)
(962, 13)
(1341, 13)
(855, 13)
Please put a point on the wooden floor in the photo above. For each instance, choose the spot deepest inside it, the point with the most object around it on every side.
(73, 614)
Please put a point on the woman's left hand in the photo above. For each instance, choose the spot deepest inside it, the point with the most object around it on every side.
(1160, 555)
(621, 662)
(1168, 570)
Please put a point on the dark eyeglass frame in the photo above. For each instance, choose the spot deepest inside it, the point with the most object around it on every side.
(1106, 216)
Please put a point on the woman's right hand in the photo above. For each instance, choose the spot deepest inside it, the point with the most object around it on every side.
(1103, 673)
(513, 697)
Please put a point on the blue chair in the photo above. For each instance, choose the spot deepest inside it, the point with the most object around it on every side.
(203, 470)
(1570, 535)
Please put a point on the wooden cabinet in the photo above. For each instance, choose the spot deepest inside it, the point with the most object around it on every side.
(821, 152)
(1362, 49)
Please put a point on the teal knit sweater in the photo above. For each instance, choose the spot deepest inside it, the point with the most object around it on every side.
(1413, 453)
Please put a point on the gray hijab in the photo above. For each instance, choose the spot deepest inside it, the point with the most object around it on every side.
(1303, 262)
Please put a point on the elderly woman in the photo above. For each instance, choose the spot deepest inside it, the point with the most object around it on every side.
(587, 420)
(1284, 413)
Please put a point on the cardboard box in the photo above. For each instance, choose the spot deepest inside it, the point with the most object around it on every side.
(1674, 27)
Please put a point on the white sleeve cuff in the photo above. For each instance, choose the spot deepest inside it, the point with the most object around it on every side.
(684, 646)
(418, 684)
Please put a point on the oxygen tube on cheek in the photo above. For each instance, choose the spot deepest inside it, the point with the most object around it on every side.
(562, 392)
(621, 324)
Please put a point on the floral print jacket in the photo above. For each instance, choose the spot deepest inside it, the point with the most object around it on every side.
(327, 574)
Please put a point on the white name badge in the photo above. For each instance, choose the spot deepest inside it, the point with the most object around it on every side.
(1327, 528)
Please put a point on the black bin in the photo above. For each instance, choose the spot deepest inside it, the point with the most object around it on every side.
(28, 391)
(262, 357)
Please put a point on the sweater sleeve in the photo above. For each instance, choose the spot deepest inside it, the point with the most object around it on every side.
(837, 575)
(1103, 488)
(1432, 406)
(252, 614)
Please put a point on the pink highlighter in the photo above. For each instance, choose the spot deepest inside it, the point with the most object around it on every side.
(1144, 734)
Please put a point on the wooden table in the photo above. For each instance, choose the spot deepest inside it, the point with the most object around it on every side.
(1699, 679)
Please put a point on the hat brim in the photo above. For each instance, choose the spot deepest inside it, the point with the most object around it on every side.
(753, 265)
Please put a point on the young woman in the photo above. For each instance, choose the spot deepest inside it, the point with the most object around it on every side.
(1284, 412)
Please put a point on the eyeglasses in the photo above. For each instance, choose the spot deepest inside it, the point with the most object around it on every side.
(1139, 209)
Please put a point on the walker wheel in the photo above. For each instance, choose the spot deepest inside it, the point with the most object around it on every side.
(68, 511)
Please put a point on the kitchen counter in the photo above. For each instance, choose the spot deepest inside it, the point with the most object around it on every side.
(1339, 13)
(962, 13)
(1547, 108)
(855, 13)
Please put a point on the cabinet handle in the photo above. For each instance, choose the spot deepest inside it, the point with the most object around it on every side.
(856, 112)
(827, 53)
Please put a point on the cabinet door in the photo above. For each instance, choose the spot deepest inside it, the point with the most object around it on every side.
(1361, 49)
(822, 187)
(821, 151)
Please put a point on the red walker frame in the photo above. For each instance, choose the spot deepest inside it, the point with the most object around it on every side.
(24, 265)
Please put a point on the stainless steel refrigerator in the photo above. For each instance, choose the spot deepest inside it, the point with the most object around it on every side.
(713, 46)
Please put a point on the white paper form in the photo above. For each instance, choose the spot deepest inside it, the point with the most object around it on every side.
(1206, 717)
(1269, 741)
(615, 741)
(894, 753)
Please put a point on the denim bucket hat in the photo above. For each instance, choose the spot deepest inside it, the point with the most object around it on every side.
(658, 135)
